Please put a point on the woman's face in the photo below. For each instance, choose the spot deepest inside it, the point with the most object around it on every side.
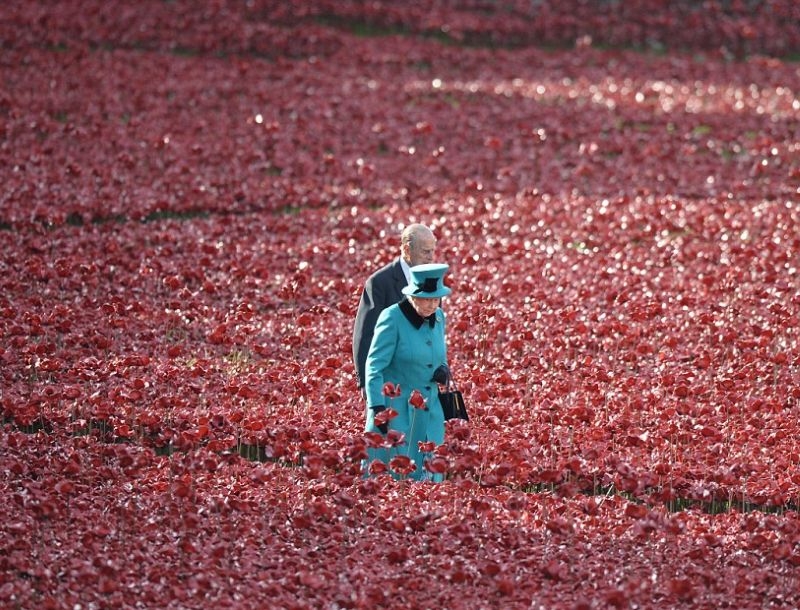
(425, 307)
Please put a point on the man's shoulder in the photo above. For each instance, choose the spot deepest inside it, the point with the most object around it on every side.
(389, 270)
(392, 311)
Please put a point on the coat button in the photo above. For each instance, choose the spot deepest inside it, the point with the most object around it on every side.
(429, 342)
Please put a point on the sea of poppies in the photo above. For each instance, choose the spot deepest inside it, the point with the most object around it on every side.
(193, 194)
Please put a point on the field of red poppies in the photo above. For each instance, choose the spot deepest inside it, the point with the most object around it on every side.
(192, 196)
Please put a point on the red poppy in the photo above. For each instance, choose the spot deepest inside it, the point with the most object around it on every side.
(402, 465)
(385, 416)
(391, 390)
(377, 467)
(395, 438)
(426, 446)
(417, 400)
(436, 465)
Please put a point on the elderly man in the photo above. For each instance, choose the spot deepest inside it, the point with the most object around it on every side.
(383, 288)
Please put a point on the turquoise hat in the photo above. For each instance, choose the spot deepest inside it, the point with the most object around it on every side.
(427, 281)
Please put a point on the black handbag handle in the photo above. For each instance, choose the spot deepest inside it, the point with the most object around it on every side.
(454, 406)
(451, 383)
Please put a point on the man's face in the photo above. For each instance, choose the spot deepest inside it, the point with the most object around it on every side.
(421, 250)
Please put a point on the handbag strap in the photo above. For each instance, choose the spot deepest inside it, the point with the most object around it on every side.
(451, 383)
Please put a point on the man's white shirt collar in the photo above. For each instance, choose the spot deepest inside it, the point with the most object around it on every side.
(406, 270)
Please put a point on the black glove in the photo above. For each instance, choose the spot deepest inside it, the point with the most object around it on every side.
(441, 375)
(384, 428)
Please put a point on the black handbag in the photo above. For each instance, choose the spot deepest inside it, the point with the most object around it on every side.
(452, 401)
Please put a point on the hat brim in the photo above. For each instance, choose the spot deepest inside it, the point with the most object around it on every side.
(437, 294)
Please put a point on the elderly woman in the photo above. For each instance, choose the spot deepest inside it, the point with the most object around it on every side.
(406, 350)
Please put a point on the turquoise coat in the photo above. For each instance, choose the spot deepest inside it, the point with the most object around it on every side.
(406, 356)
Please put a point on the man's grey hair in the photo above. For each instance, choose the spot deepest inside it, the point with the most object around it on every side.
(411, 232)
